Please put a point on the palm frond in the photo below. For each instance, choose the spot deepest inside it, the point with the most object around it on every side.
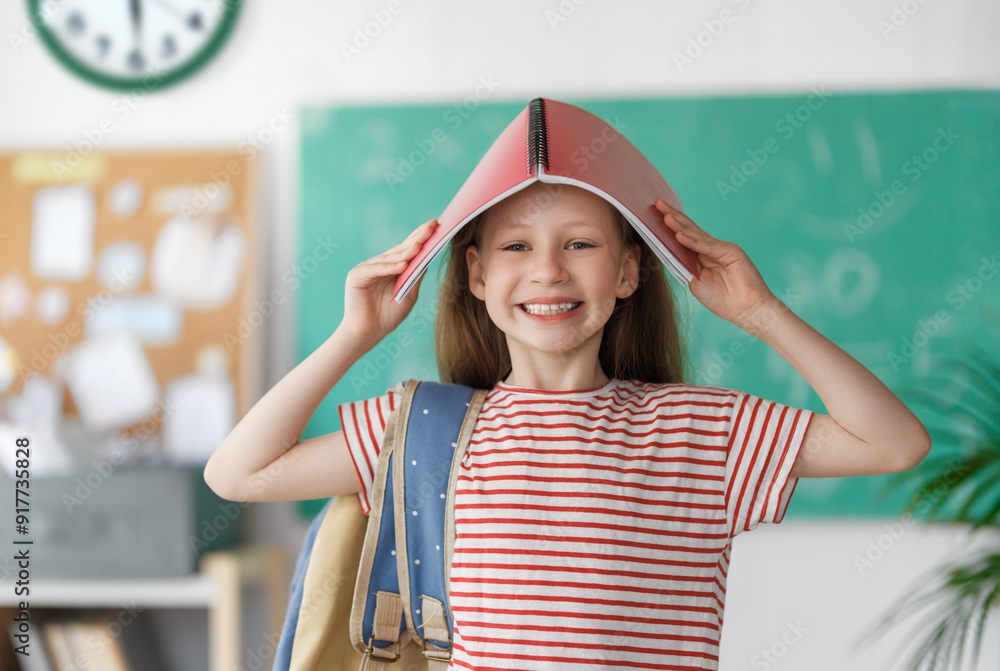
(913, 602)
(930, 396)
(958, 598)
(943, 481)
(962, 477)
(991, 603)
(947, 478)
(990, 481)
(953, 607)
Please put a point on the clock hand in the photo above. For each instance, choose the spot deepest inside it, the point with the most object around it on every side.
(135, 59)
(136, 8)
(193, 21)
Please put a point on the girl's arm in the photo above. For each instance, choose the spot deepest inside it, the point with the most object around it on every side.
(262, 458)
(868, 431)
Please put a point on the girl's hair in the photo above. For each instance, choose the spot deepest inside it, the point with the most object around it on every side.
(641, 340)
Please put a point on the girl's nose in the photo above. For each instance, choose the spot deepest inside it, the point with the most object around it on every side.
(548, 266)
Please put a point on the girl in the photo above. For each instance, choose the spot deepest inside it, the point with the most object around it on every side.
(597, 505)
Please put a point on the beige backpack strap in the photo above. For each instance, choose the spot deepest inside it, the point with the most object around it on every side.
(435, 627)
(388, 606)
(395, 480)
(388, 611)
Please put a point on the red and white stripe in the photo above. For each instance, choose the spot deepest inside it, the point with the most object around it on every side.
(593, 528)
(363, 424)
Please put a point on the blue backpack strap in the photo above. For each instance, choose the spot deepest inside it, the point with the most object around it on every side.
(421, 477)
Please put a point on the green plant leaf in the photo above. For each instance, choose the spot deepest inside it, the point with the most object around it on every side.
(954, 600)
(989, 605)
(986, 465)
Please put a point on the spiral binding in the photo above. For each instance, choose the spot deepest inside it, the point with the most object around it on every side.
(538, 145)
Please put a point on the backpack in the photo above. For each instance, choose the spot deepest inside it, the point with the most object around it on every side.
(364, 587)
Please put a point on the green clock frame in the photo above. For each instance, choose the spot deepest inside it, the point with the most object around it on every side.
(206, 54)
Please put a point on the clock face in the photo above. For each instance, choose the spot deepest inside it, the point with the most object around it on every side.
(127, 43)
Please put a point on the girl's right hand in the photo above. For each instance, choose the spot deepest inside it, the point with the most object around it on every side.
(370, 314)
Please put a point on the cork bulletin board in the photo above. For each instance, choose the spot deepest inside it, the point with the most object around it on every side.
(126, 290)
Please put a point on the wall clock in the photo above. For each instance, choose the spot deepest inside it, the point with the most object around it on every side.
(134, 43)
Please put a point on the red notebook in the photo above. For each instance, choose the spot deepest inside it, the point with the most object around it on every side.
(544, 143)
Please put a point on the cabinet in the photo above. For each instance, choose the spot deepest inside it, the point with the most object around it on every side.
(217, 587)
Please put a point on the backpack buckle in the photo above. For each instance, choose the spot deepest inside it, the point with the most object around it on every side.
(436, 654)
(371, 650)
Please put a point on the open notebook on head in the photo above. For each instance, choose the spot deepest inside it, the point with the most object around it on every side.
(546, 143)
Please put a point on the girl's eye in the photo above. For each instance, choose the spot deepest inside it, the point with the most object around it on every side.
(511, 246)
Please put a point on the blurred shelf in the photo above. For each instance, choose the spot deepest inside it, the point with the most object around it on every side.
(196, 591)
(217, 588)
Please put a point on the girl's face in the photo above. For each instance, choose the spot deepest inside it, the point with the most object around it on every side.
(548, 246)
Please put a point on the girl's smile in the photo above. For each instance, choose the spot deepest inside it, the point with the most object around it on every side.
(551, 308)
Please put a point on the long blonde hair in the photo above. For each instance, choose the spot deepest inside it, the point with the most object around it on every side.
(641, 340)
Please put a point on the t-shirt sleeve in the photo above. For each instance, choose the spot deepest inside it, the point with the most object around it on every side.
(363, 423)
(764, 441)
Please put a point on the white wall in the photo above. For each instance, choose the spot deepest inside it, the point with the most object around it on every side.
(286, 54)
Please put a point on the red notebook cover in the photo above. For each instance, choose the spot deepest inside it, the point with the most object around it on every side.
(544, 143)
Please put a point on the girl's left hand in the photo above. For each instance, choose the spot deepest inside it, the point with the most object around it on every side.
(730, 285)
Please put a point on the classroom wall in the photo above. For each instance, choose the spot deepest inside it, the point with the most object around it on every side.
(794, 588)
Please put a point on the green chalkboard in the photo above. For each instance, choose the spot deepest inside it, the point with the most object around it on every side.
(875, 216)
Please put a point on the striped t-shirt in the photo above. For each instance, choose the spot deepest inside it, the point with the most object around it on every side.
(594, 527)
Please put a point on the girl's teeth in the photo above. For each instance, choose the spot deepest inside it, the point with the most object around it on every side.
(537, 309)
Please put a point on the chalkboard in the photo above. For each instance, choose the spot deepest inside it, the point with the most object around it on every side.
(874, 216)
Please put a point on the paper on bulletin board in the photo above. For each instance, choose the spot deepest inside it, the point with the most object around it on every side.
(111, 381)
(197, 262)
(202, 413)
(62, 232)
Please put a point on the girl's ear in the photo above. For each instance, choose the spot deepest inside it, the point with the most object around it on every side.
(475, 265)
(630, 271)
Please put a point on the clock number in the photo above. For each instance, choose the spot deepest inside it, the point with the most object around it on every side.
(169, 48)
(135, 60)
(75, 24)
(104, 43)
(194, 21)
